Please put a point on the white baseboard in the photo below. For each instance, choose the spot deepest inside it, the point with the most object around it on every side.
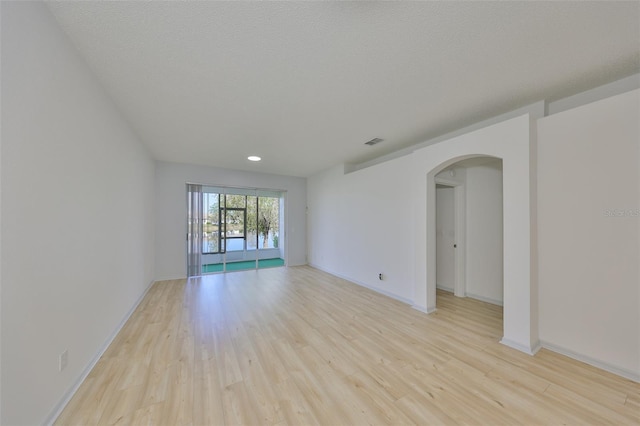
(623, 372)
(522, 348)
(424, 310)
(361, 284)
(57, 410)
(485, 299)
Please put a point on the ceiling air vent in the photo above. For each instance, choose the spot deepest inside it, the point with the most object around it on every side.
(374, 141)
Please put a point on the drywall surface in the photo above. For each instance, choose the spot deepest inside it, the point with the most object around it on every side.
(171, 211)
(484, 267)
(77, 188)
(588, 185)
(360, 226)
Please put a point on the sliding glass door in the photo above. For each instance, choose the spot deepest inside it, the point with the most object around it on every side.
(241, 229)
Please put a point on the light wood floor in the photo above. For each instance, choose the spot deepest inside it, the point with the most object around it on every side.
(296, 346)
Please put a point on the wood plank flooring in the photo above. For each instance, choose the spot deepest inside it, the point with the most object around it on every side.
(296, 346)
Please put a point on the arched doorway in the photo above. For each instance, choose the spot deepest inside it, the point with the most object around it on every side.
(509, 141)
(469, 229)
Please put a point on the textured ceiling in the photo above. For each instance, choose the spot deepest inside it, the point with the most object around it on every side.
(305, 84)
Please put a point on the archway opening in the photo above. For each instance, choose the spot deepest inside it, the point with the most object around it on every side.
(510, 141)
(469, 232)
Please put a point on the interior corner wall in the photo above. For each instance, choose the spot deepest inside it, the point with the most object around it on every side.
(588, 229)
(171, 211)
(77, 194)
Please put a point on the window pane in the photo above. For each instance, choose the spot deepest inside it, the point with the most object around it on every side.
(211, 228)
(268, 222)
(236, 201)
(235, 222)
(252, 223)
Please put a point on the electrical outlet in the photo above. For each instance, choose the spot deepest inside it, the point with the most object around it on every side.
(63, 360)
(380, 276)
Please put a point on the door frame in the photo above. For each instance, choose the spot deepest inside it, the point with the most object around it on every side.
(224, 223)
(459, 228)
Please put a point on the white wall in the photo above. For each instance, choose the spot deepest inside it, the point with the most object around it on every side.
(77, 189)
(171, 213)
(445, 238)
(588, 159)
(484, 273)
(360, 225)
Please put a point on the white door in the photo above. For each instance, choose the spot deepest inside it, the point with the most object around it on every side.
(445, 238)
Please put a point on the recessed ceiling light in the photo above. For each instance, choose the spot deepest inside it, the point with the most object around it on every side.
(254, 158)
